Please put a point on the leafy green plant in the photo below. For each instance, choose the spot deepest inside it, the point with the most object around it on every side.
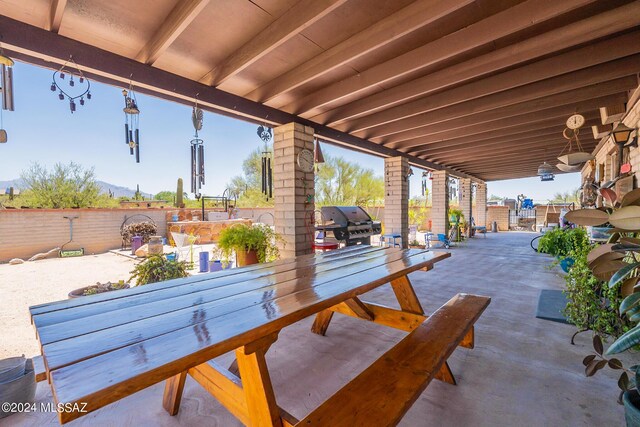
(99, 288)
(260, 238)
(157, 268)
(592, 305)
(560, 242)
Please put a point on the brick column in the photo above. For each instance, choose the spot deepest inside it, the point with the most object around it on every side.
(440, 202)
(396, 197)
(481, 205)
(465, 198)
(291, 188)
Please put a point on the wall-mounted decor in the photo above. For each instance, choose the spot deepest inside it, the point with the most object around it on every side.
(71, 84)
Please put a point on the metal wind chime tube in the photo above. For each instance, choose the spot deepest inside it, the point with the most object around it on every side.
(197, 152)
(265, 134)
(131, 122)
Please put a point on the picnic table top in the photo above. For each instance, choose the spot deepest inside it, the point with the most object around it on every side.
(100, 348)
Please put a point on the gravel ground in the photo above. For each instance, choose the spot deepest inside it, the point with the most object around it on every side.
(31, 283)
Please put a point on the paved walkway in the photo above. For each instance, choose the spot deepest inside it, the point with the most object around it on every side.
(523, 371)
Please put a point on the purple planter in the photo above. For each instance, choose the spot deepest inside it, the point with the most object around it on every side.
(136, 242)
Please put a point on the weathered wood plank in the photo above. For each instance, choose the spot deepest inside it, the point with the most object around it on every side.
(406, 296)
(321, 322)
(385, 391)
(173, 393)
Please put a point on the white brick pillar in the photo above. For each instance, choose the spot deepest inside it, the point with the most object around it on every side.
(465, 198)
(293, 189)
(480, 215)
(440, 202)
(396, 197)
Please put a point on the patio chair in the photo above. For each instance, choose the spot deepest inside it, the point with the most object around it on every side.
(184, 245)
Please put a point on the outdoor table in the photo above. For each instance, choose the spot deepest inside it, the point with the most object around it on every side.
(102, 348)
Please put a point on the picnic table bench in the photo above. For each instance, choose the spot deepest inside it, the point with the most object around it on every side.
(102, 348)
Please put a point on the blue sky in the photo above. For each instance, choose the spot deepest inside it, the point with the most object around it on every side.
(43, 130)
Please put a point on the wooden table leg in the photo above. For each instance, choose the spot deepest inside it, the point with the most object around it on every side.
(321, 322)
(406, 296)
(256, 383)
(173, 393)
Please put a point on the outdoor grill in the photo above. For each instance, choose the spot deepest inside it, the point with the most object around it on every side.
(351, 224)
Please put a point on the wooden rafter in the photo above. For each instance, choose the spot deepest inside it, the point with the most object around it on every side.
(35, 45)
(415, 16)
(174, 24)
(303, 14)
(55, 15)
(502, 24)
(579, 32)
(412, 115)
(501, 117)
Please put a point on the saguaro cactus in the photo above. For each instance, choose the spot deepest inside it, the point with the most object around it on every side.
(179, 194)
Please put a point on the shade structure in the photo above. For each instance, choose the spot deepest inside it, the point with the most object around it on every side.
(460, 85)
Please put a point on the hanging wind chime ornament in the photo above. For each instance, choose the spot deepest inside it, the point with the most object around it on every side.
(265, 133)
(64, 82)
(545, 172)
(131, 122)
(197, 152)
(425, 175)
(6, 82)
(575, 156)
(453, 188)
(318, 157)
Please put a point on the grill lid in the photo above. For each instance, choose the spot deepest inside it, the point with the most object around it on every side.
(346, 215)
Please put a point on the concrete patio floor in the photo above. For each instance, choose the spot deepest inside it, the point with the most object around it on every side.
(522, 372)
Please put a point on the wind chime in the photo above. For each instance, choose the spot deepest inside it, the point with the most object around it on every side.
(82, 90)
(197, 152)
(131, 122)
(453, 188)
(425, 176)
(6, 80)
(265, 133)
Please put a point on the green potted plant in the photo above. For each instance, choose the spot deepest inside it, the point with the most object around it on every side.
(157, 268)
(98, 288)
(252, 244)
(455, 215)
(617, 263)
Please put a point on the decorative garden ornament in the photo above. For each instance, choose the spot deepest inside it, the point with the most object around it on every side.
(131, 122)
(197, 151)
(70, 90)
(265, 133)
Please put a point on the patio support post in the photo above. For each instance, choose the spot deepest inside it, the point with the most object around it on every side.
(440, 202)
(481, 205)
(293, 189)
(396, 197)
(465, 198)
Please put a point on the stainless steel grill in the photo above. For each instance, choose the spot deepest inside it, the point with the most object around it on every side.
(351, 224)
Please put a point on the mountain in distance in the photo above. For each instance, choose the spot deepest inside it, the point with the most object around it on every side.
(105, 187)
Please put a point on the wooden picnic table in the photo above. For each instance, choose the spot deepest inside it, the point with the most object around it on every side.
(104, 347)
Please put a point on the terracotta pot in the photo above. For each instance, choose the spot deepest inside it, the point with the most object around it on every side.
(246, 257)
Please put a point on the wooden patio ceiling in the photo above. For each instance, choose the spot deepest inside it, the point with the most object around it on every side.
(480, 87)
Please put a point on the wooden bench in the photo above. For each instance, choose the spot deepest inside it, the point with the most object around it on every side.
(384, 392)
(39, 369)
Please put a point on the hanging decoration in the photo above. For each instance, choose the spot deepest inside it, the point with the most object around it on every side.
(425, 175)
(545, 172)
(318, 157)
(70, 90)
(453, 188)
(131, 122)
(197, 152)
(572, 155)
(6, 83)
(265, 133)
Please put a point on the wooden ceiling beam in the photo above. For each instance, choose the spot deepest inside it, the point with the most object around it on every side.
(40, 47)
(55, 15)
(548, 144)
(464, 144)
(501, 24)
(406, 20)
(471, 125)
(183, 13)
(381, 124)
(553, 41)
(520, 155)
(529, 128)
(612, 113)
(299, 17)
